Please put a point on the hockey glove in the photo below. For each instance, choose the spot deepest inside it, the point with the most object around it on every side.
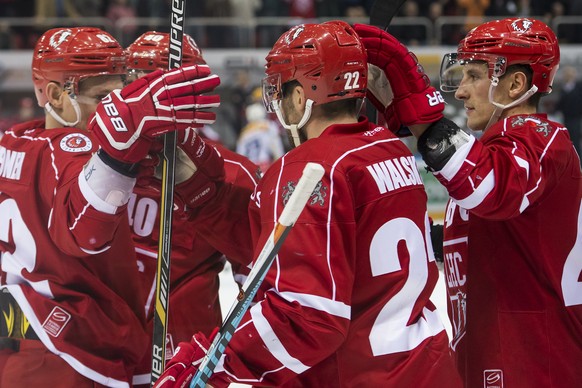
(414, 101)
(127, 120)
(199, 170)
(183, 365)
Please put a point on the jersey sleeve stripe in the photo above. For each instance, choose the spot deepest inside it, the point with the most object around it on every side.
(273, 343)
(339, 309)
(479, 193)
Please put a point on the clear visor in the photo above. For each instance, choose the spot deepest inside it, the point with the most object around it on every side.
(451, 73)
(134, 74)
(272, 91)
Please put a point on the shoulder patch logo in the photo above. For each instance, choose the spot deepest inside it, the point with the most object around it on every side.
(56, 321)
(76, 142)
(317, 196)
(533, 122)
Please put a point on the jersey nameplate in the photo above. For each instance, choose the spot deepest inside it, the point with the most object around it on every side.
(11, 163)
(393, 174)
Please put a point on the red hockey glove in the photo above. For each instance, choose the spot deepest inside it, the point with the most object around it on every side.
(127, 120)
(199, 170)
(183, 365)
(415, 101)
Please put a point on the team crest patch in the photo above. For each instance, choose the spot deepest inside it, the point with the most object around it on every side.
(521, 25)
(317, 196)
(56, 321)
(59, 37)
(533, 122)
(76, 142)
(493, 378)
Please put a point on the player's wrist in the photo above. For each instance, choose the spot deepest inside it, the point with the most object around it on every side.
(128, 169)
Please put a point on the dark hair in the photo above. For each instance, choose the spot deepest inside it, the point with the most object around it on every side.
(527, 70)
(334, 108)
(341, 107)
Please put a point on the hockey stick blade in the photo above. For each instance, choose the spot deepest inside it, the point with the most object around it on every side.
(383, 11)
(312, 174)
(162, 296)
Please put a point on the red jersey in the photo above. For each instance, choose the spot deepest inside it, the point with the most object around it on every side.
(195, 263)
(513, 256)
(70, 267)
(346, 302)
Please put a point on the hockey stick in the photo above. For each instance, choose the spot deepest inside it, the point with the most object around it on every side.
(381, 14)
(312, 174)
(383, 11)
(166, 209)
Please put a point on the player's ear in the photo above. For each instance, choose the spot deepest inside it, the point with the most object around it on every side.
(519, 84)
(298, 96)
(55, 94)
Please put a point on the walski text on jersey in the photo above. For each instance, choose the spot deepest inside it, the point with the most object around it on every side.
(393, 174)
(11, 163)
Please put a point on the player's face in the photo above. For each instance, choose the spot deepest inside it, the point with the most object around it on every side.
(135, 74)
(91, 91)
(474, 92)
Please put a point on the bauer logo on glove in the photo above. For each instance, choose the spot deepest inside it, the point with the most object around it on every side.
(127, 120)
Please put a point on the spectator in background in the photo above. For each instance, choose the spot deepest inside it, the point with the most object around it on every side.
(502, 8)
(474, 10)
(575, 33)
(260, 140)
(245, 10)
(27, 110)
(410, 34)
(239, 97)
(118, 9)
(355, 11)
(569, 104)
(267, 35)
(51, 8)
(302, 9)
(89, 8)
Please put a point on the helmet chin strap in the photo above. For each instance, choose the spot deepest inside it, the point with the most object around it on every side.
(499, 108)
(293, 128)
(57, 117)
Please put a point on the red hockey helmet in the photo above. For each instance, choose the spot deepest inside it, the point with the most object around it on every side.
(328, 59)
(67, 55)
(511, 41)
(151, 51)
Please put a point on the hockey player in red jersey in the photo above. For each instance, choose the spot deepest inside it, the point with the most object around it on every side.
(512, 230)
(195, 262)
(346, 302)
(72, 310)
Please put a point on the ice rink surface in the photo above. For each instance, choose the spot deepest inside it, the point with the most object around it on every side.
(228, 292)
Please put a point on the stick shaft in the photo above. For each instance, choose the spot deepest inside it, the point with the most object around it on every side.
(162, 296)
(312, 174)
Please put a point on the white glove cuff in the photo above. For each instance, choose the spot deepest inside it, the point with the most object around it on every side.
(104, 188)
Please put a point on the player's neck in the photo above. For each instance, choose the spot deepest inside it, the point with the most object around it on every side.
(317, 125)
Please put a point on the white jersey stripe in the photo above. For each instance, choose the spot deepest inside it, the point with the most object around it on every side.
(320, 303)
(273, 343)
(479, 194)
